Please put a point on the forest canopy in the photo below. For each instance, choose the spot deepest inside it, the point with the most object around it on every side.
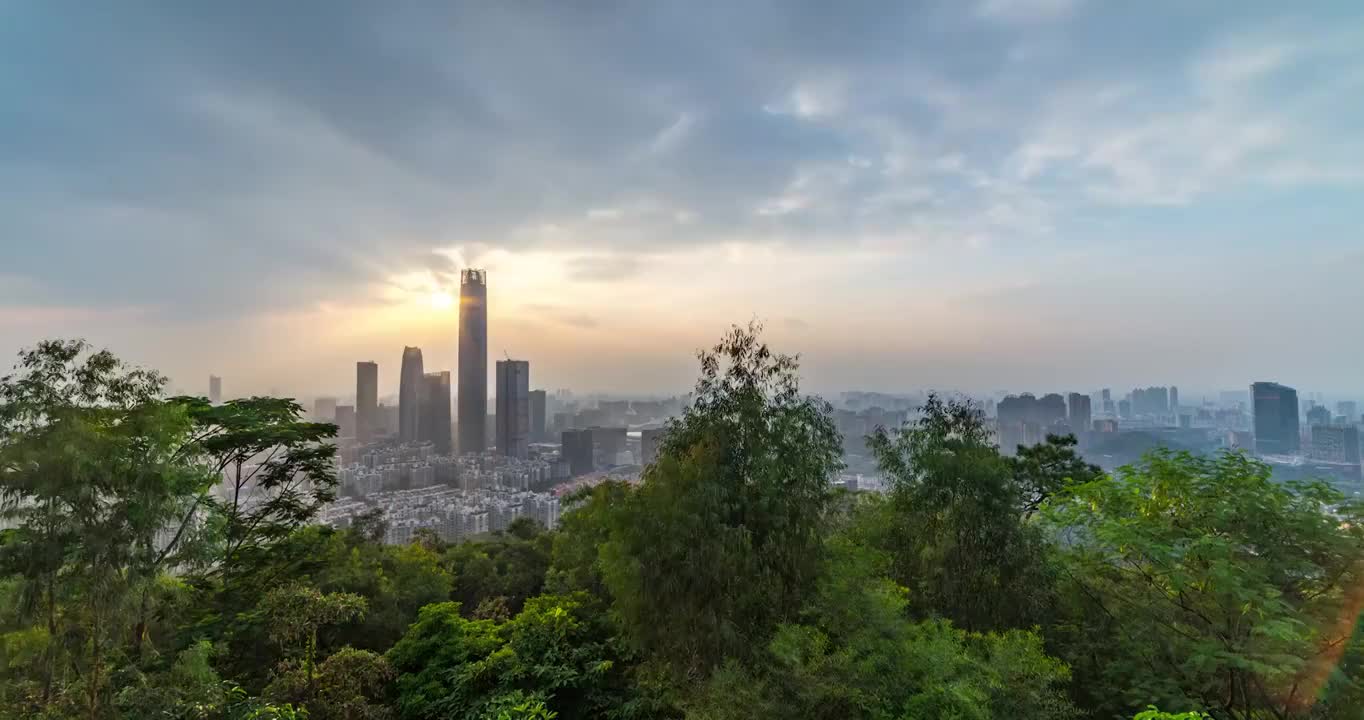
(733, 581)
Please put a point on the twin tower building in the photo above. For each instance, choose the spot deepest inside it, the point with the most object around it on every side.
(424, 398)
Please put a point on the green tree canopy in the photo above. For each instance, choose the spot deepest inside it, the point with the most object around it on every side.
(956, 524)
(724, 538)
(91, 472)
(1201, 582)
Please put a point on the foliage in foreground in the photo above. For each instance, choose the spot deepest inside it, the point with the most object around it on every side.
(733, 583)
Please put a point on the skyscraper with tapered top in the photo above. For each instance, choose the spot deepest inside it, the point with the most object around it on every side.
(410, 395)
(473, 361)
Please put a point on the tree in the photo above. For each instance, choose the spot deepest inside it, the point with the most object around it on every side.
(350, 684)
(1201, 582)
(583, 528)
(395, 580)
(556, 658)
(508, 568)
(90, 472)
(1048, 469)
(278, 471)
(1154, 713)
(723, 539)
(955, 524)
(295, 613)
(191, 688)
(855, 653)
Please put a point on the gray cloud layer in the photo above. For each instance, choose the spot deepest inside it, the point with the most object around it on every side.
(195, 162)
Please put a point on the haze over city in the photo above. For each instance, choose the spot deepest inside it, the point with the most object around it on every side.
(1010, 194)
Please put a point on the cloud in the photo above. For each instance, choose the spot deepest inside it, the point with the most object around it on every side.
(601, 268)
(670, 137)
(1025, 10)
(1235, 66)
(812, 99)
(213, 167)
(561, 315)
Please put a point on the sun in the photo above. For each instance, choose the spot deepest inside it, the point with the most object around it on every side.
(441, 300)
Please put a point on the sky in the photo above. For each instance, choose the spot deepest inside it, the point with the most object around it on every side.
(967, 194)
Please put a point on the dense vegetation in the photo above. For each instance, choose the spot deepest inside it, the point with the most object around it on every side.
(733, 582)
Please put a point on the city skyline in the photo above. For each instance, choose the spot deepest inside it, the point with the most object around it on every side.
(973, 195)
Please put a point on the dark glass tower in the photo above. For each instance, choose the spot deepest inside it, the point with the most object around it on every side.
(513, 407)
(435, 411)
(366, 401)
(537, 415)
(1080, 415)
(1276, 419)
(473, 361)
(410, 396)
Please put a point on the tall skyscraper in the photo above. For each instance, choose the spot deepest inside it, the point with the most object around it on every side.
(607, 445)
(367, 422)
(324, 409)
(578, 451)
(410, 390)
(1151, 401)
(434, 421)
(1174, 399)
(537, 415)
(345, 421)
(473, 361)
(1276, 419)
(649, 441)
(513, 407)
(1080, 415)
(1336, 443)
(1349, 410)
(215, 389)
(1318, 415)
(1025, 419)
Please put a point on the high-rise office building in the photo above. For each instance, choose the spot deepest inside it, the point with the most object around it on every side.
(513, 407)
(649, 441)
(537, 415)
(388, 421)
(1276, 419)
(433, 423)
(410, 390)
(367, 421)
(1349, 410)
(345, 421)
(1174, 399)
(1051, 410)
(1080, 415)
(1026, 419)
(577, 450)
(215, 389)
(473, 361)
(1318, 415)
(324, 409)
(1336, 443)
(1151, 401)
(608, 443)
(1108, 407)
